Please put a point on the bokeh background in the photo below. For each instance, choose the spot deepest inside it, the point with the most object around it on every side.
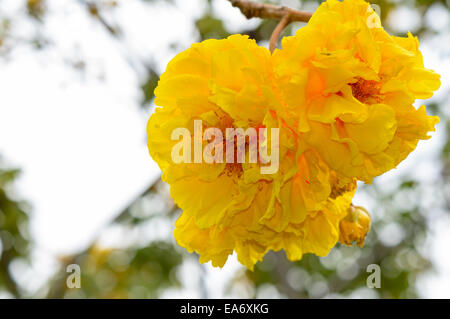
(77, 184)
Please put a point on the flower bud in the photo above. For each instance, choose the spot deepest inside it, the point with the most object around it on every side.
(355, 226)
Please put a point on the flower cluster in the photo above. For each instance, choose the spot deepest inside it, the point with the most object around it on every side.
(341, 93)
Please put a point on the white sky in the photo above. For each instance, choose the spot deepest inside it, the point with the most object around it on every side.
(80, 139)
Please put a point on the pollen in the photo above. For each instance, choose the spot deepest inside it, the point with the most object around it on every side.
(366, 91)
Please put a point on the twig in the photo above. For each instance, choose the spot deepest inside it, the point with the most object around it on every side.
(269, 11)
(277, 32)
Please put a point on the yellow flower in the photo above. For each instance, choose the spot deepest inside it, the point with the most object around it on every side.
(349, 89)
(232, 206)
(224, 83)
(341, 93)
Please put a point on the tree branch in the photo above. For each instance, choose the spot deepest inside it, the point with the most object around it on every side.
(269, 11)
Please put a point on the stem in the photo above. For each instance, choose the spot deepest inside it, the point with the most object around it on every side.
(277, 32)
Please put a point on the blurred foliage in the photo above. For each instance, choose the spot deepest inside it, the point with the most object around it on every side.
(135, 271)
(146, 268)
(149, 86)
(14, 237)
(122, 273)
(36, 8)
(210, 27)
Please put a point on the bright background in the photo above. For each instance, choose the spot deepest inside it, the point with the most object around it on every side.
(76, 83)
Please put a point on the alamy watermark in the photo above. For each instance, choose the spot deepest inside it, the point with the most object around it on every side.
(238, 143)
(374, 279)
(74, 279)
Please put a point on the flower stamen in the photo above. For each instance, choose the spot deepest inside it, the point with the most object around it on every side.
(366, 91)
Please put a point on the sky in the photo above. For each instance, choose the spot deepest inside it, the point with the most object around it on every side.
(79, 136)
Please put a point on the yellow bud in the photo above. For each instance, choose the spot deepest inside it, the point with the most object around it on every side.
(355, 226)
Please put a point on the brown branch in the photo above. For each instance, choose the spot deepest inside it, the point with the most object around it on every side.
(277, 32)
(269, 11)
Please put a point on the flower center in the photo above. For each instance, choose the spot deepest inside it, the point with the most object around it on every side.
(366, 91)
(234, 167)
